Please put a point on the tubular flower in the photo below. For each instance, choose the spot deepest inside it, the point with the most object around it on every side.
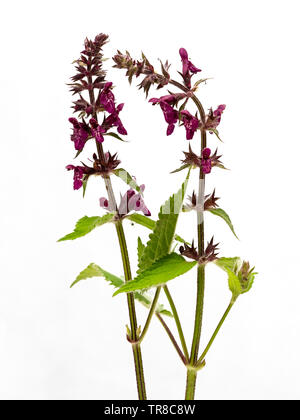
(113, 120)
(206, 161)
(190, 123)
(171, 116)
(100, 167)
(130, 201)
(107, 98)
(171, 99)
(213, 119)
(79, 172)
(80, 133)
(97, 130)
(187, 68)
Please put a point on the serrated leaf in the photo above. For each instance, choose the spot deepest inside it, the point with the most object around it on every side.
(234, 283)
(160, 272)
(145, 221)
(221, 213)
(232, 267)
(116, 136)
(163, 234)
(234, 264)
(128, 179)
(94, 270)
(250, 282)
(141, 249)
(87, 224)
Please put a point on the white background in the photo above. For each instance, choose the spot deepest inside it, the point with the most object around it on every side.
(57, 343)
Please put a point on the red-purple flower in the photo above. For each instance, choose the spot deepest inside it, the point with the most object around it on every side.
(206, 161)
(191, 124)
(79, 172)
(171, 116)
(97, 130)
(171, 99)
(80, 133)
(107, 98)
(130, 201)
(213, 119)
(187, 68)
(113, 120)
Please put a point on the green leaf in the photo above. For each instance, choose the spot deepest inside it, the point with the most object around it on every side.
(234, 264)
(146, 300)
(142, 220)
(160, 272)
(94, 270)
(250, 281)
(240, 277)
(221, 213)
(116, 136)
(87, 224)
(216, 132)
(181, 168)
(141, 249)
(145, 221)
(231, 266)
(84, 184)
(128, 179)
(163, 234)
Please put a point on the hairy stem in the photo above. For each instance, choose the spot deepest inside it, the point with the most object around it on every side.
(150, 315)
(137, 355)
(177, 321)
(201, 358)
(172, 338)
(192, 374)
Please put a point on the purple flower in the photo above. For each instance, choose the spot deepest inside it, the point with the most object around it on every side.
(107, 99)
(191, 124)
(80, 133)
(97, 130)
(206, 161)
(172, 99)
(213, 119)
(79, 171)
(187, 67)
(113, 120)
(130, 201)
(171, 116)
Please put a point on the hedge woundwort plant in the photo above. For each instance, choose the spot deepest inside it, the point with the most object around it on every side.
(158, 260)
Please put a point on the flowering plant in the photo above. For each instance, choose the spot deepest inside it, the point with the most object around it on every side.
(158, 260)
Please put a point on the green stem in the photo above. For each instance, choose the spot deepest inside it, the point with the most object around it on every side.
(137, 355)
(191, 374)
(177, 321)
(172, 338)
(190, 384)
(150, 315)
(216, 332)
